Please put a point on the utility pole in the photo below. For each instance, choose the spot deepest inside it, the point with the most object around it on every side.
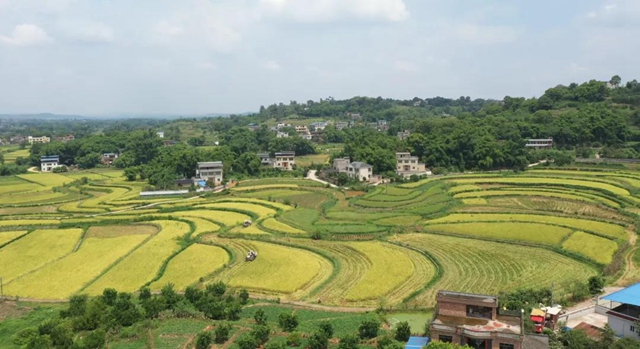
(552, 285)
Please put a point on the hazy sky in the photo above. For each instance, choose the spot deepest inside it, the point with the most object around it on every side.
(201, 56)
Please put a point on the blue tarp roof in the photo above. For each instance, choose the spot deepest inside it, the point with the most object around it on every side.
(417, 342)
(629, 295)
(202, 183)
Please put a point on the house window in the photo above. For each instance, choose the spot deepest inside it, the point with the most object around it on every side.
(479, 312)
(506, 346)
(632, 328)
(445, 339)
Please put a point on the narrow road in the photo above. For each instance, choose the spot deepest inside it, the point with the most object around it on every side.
(312, 176)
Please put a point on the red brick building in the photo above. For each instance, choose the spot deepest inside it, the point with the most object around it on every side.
(476, 320)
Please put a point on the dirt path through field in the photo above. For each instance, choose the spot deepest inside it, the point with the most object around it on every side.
(629, 267)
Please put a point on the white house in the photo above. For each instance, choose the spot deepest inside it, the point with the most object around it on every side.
(210, 171)
(282, 135)
(624, 311)
(43, 139)
(48, 163)
(285, 160)
(360, 171)
(545, 143)
(403, 135)
(340, 164)
(160, 134)
(408, 165)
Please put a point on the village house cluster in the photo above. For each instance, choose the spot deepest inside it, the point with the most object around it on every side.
(406, 166)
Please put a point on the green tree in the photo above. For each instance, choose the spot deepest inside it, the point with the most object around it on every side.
(87, 161)
(369, 329)
(615, 81)
(607, 337)
(318, 340)
(77, 306)
(94, 340)
(261, 334)
(246, 341)
(243, 296)
(38, 342)
(222, 333)
(169, 296)
(1, 159)
(349, 341)
(577, 339)
(204, 340)
(288, 321)
(152, 307)
(327, 328)
(192, 294)
(125, 311)
(403, 331)
(260, 317)
(294, 339)
(247, 163)
(342, 179)
(596, 284)
(145, 293)
(109, 296)
(625, 343)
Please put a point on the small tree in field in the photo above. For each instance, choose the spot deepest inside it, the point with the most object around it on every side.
(260, 317)
(288, 321)
(369, 329)
(349, 341)
(204, 340)
(403, 331)
(222, 333)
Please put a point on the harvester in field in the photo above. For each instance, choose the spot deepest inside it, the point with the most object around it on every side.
(251, 256)
(247, 223)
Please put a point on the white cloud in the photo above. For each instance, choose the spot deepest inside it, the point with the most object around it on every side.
(207, 66)
(26, 35)
(576, 68)
(314, 11)
(272, 65)
(91, 32)
(485, 34)
(168, 29)
(405, 66)
(616, 12)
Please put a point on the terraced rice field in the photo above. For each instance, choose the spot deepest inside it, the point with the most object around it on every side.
(608, 229)
(355, 262)
(599, 249)
(7, 236)
(190, 265)
(259, 210)
(142, 264)
(11, 157)
(63, 277)
(223, 217)
(547, 181)
(490, 267)
(388, 263)
(112, 231)
(526, 232)
(47, 179)
(278, 269)
(35, 250)
(273, 224)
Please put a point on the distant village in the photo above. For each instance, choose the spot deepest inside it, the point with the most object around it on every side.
(210, 175)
